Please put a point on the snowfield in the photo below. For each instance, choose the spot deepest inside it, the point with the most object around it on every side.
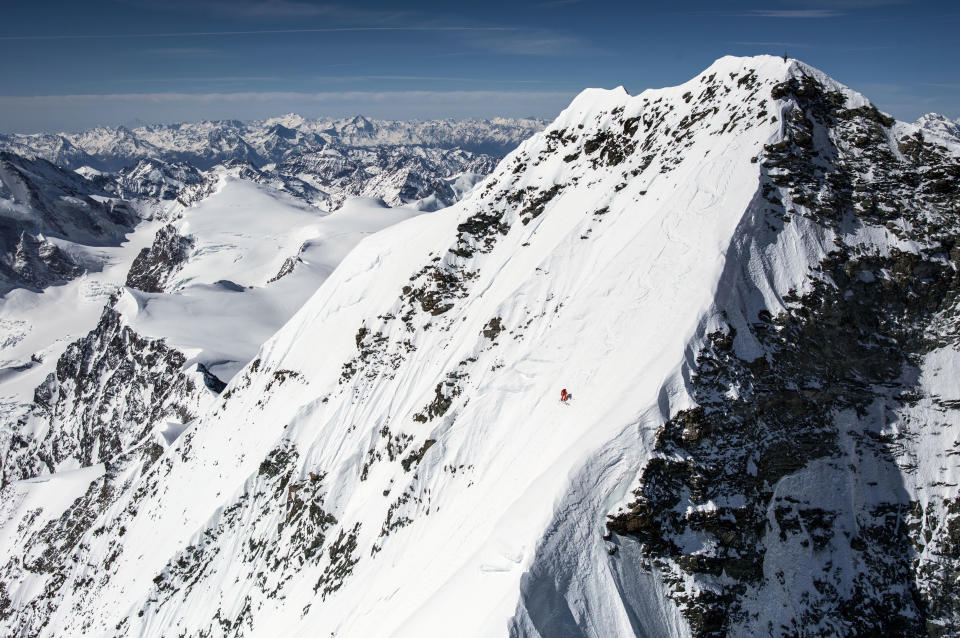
(222, 305)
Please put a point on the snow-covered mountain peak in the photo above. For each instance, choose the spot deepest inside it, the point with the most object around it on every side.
(157, 179)
(748, 284)
(940, 126)
(359, 125)
(290, 120)
(444, 340)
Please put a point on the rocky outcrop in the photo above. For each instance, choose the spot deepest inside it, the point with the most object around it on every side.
(285, 268)
(38, 263)
(111, 389)
(828, 398)
(39, 201)
(153, 266)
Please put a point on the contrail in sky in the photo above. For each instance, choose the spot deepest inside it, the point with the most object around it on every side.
(118, 36)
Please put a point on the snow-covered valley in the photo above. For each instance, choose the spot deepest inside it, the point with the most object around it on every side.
(748, 282)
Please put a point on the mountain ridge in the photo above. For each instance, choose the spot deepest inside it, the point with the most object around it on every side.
(207, 143)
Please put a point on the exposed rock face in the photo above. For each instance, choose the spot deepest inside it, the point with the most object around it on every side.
(49, 550)
(153, 266)
(38, 263)
(285, 269)
(829, 399)
(395, 174)
(39, 199)
(110, 390)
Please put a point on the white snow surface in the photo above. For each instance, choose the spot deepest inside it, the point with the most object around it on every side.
(51, 494)
(221, 306)
(457, 568)
(244, 233)
(38, 501)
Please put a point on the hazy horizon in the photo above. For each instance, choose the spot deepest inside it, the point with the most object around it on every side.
(340, 115)
(82, 65)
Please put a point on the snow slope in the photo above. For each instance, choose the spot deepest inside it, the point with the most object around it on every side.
(49, 217)
(255, 255)
(395, 461)
(223, 304)
(37, 330)
(475, 531)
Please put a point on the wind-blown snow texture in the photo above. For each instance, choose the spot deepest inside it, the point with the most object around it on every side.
(749, 283)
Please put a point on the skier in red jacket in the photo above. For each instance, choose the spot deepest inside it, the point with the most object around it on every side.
(563, 395)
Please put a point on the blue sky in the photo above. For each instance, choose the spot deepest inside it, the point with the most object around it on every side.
(70, 65)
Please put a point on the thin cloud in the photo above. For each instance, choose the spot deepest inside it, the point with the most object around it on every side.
(872, 47)
(530, 43)
(261, 96)
(187, 34)
(804, 14)
(846, 4)
(792, 45)
(421, 78)
(79, 111)
(284, 8)
(221, 79)
(183, 52)
(258, 9)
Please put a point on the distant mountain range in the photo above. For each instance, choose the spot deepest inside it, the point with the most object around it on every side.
(205, 144)
(83, 188)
